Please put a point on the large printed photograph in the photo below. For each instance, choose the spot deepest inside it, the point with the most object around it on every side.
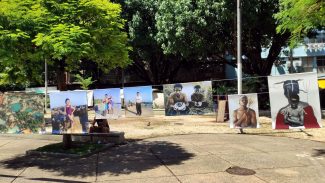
(21, 113)
(69, 112)
(188, 98)
(243, 111)
(107, 103)
(294, 101)
(138, 101)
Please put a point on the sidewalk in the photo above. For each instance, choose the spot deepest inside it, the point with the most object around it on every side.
(181, 158)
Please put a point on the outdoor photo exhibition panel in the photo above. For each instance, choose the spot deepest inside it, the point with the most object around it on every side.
(107, 103)
(294, 101)
(21, 113)
(90, 97)
(69, 112)
(42, 89)
(188, 98)
(138, 101)
(243, 111)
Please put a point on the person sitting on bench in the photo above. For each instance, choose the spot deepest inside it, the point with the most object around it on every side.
(102, 126)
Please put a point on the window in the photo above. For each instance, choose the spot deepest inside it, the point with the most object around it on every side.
(321, 61)
(307, 64)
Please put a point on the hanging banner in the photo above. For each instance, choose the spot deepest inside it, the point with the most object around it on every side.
(243, 111)
(138, 101)
(69, 112)
(188, 98)
(294, 101)
(107, 103)
(21, 113)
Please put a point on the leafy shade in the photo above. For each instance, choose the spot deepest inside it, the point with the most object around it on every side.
(299, 17)
(64, 32)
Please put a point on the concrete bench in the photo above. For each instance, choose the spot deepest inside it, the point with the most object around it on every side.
(111, 137)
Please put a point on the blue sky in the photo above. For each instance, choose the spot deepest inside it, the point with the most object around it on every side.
(114, 92)
(57, 99)
(131, 92)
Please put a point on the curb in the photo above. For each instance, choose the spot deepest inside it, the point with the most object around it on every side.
(65, 155)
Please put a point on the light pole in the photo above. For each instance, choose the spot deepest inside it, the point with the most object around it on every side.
(45, 104)
(239, 54)
(239, 63)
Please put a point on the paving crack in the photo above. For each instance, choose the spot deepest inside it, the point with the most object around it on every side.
(19, 174)
(163, 163)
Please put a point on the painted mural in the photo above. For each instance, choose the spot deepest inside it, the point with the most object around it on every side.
(21, 113)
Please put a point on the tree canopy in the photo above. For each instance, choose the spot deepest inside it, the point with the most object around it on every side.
(205, 30)
(300, 17)
(149, 62)
(64, 32)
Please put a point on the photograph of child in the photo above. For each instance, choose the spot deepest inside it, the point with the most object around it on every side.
(188, 98)
(138, 101)
(294, 101)
(107, 103)
(69, 112)
(243, 111)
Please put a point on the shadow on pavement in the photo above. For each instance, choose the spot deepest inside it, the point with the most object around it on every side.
(8, 176)
(55, 180)
(319, 152)
(125, 159)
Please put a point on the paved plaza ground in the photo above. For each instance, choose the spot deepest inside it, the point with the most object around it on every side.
(174, 149)
(179, 158)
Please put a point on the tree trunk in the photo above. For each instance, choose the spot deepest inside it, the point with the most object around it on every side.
(67, 141)
(61, 77)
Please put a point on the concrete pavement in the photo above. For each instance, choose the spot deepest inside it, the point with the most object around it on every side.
(181, 158)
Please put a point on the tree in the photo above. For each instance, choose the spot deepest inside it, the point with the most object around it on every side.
(206, 29)
(64, 32)
(149, 62)
(300, 17)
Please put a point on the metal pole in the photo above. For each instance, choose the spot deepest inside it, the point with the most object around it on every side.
(125, 107)
(45, 104)
(291, 60)
(239, 54)
(122, 78)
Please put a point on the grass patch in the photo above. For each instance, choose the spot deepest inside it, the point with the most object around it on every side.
(78, 148)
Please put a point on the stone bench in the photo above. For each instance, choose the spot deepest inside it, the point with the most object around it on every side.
(111, 137)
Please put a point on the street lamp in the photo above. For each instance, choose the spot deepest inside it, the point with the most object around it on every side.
(45, 78)
(239, 54)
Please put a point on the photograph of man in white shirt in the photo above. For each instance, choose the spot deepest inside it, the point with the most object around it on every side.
(138, 101)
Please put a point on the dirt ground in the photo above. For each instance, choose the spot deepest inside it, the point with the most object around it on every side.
(161, 125)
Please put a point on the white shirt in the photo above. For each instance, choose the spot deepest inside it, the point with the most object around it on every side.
(138, 99)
